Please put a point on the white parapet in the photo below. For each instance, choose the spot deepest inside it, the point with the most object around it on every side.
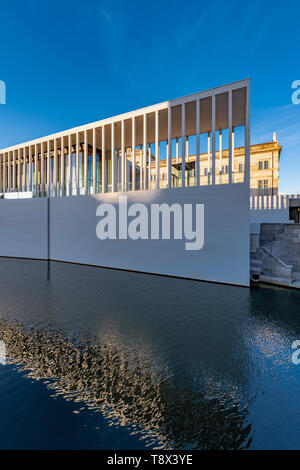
(20, 195)
(271, 209)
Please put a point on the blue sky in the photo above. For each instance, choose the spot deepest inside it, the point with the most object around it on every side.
(69, 63)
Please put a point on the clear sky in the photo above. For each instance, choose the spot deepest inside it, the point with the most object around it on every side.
(69, 63)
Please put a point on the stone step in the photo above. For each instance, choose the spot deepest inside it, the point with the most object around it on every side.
(266, 243)
(255, 262)
(255, 266)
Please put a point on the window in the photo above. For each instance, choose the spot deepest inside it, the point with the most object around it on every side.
(260, 184)
(266, 164)
(260, 165)
(265, 184)
(241, 167)
(205, 171)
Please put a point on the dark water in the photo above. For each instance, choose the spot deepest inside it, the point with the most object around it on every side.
(104, 359)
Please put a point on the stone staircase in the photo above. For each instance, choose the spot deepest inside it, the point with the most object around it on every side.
(255, 264)
(275, 253)
(267, 245)
(285, 244)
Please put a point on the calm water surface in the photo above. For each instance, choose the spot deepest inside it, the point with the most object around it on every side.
(104, 359)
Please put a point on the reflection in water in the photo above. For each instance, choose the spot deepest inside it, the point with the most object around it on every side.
(178, 364)
(128, 389)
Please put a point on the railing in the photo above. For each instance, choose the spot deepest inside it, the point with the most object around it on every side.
(280, 201)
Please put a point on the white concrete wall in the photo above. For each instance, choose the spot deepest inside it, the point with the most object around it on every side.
(274, 216)
(224, 258)
(23, 228)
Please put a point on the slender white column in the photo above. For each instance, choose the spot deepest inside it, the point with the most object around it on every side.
(126, 172)
(157, 149)
(30, 169)
(62, 167)
(141, 166)
(48, 168)
(19, 171)
(1, 186)
(1, 182)
(55, 168)
(247, 139)
(4, 174)
(183, 143)
(150, 166)
(70, 169)
(77, 163)
(113, 163)
(144, 179)
(120, 170)
(213, 138)
(14, 171)
(86, 162)
(117, 169)
(220, 153)
(232, 165)
(36, 169)
(8, 172)
(27, 170)
(7, 168)
(42, 169)
(103, 159)
(230, 135)
(169, 148)
(123, 155)
(11, 170)
(133, 154)
(177, 150)
(187, 149)
(198, 142)
(94, 162)
(24, 169)
(208, 158)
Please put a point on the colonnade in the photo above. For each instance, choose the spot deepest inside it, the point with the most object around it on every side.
(121, 153)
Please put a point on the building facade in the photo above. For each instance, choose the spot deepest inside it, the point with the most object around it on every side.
(264, 168)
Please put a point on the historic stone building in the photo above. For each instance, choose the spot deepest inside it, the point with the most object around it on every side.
(264, 168)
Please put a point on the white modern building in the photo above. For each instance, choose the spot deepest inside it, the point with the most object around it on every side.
(85, 166)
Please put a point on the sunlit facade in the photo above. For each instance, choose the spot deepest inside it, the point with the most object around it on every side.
(136, 150)
(264, 167)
